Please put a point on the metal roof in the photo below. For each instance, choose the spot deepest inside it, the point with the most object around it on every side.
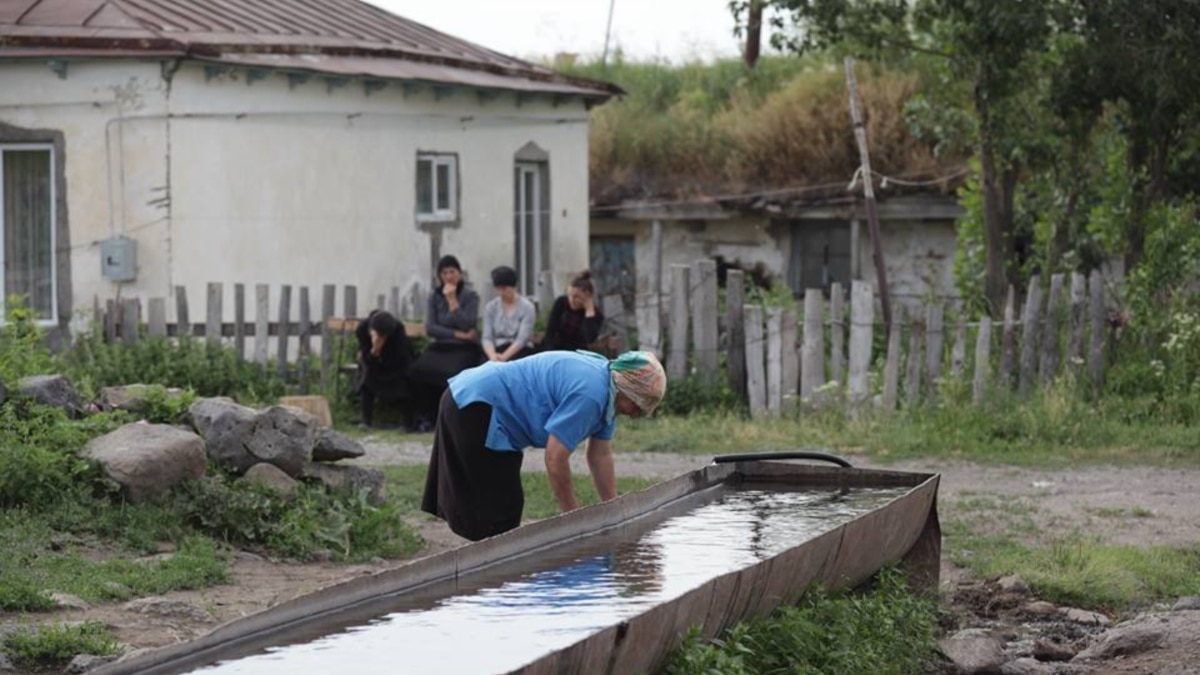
(342, 37)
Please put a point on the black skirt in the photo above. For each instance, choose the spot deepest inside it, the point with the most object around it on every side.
(476, 490)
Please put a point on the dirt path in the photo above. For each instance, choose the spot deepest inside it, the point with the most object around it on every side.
(1140, 506)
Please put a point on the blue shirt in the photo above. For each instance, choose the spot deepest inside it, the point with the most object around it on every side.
(561, 393)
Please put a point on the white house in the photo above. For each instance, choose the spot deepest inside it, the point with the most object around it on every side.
(149, 144)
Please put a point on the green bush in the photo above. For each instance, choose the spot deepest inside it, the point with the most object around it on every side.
(22, 351)
(885, 630)
(697, 393)
(205, 368)
(54, 645)
(18, 593)
(39, 461)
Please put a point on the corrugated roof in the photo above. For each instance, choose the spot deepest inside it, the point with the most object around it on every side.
(350, 36)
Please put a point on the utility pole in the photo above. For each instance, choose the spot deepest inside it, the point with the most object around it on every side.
(860, 135)
(607, 33)
(753, 34)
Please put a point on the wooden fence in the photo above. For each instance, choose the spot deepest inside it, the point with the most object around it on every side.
(823, 351)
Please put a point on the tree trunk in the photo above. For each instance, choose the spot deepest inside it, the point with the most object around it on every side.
(996, 244)
(1147, 163)
(753, 34)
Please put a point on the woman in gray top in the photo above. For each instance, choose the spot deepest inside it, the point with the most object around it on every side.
(507, 319)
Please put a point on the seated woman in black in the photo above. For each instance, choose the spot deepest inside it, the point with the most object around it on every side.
(384, 355)
(575, 321)
(451, 322)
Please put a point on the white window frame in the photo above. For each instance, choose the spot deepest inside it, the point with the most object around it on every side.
(49, 148)
(436, 160)
(530, 269)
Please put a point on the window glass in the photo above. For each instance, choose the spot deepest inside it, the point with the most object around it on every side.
(425, 186)
(443, 184)
(25, 197)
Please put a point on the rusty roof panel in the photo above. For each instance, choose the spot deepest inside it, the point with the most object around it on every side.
(353, 34)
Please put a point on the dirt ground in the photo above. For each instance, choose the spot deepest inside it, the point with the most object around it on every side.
(1140, 506)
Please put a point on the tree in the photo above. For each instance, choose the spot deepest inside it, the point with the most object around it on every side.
(987, 42)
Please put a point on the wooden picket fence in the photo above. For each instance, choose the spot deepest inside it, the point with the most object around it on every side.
(782, 357)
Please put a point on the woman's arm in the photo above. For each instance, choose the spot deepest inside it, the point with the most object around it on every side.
(489, 329)
(554, 323)
(558, 468)
(434, 318)
(589, 328)
(604, 474)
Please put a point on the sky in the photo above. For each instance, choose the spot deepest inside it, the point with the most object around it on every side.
(675, 30)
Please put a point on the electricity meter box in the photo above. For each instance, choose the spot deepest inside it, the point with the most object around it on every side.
(118, 259)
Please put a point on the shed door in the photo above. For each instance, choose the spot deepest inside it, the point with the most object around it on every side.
(612, 264)
(820, 254)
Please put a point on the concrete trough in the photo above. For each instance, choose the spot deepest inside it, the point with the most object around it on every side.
(905, 529)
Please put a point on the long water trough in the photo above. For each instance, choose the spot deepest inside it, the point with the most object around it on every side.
(611, 588)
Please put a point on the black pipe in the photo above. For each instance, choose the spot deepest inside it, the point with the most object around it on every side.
(802, 454)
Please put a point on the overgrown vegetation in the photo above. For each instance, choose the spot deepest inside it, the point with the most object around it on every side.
(885, 629)
(56, 644)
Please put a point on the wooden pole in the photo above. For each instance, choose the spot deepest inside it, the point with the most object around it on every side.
(285, 310)
(1029, 333)
(735, 325)
(305, 330)
(860, 135)
(982, 356)
(912, 366)
(328, 298)
(214, 313)
(774, 361)
(756, 385)
(262, 321)
(677, 358)
(791, 361)
(239, 320)
(350, 302)
(1008, 344)
(1099, 316)
(935, 336)
(1051, 329)
(812, 350)
(157, 317)
(862, 328)
(704, 319)
(891, 368)
(837, 334)
(183, 327)
(1078, 312)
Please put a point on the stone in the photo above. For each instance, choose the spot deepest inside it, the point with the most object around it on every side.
(1049, 650)
(349, 478)
(147, 460)
(1039, 609)
(1085, 617)
(86, 662)
(1191, 602)
(6, 666)
(68, 601)
(116, 591)
(974, 651)
(332, 446)
(225, 426)
(135, 397)
(284, 437)
(1124, 641)
(55, 391)
(1026, 666)
(164, 607)
(1013, 584)
(317, 406)
(272, 478)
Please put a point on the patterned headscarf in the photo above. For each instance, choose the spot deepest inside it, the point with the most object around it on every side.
(641, 378)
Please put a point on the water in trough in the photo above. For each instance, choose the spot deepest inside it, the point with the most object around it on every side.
(508, 615)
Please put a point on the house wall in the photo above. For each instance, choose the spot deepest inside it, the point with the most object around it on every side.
(221, 179)
(918, 257)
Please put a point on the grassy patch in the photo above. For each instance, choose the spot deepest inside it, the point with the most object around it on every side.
(884, 630)
(406, 483)
(57, 644)
(1119, 512)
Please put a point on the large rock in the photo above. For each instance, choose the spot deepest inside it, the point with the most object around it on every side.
(1125, 641)
(272, 478)
(165, 607)
(148, 459)
(332, 446)
(974, 651)
(85, 663)
(135, 397)
(1026, 666)
(1085, 617)
(52, 390)
(1182, 604)
(349, 478)
(225, 426)
(283, 436)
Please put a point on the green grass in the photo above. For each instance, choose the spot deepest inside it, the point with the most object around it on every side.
(54, 645)
(406, 483)
(883, 630)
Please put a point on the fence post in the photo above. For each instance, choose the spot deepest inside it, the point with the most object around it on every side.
(756, 386)
(774, 361)
(545, 290)
(935, 337)
(305, 346)
(704, 317)
(183, 327)
(891, 368)
(1099, 315)
(812, 350)
(110, 320)
(157, 317)
(1008, 345)
(350, 301)
(213, 313)
(677, 359)
(958, 352)
(983, 353)
(130, 318)
(862, 329)
(735, 325)
(381, 302)
(649, 323)
(239, 320)
(393, 305)
(912, 365)
(285, 309)
(1075, 338)
(837, 334)
(262, 322)
(1029, 332)
(328, 298)
(1052, 326)
(791, 360)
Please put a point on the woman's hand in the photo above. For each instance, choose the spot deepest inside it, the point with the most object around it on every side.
(589, 305)
(377, 342)
(466, 334)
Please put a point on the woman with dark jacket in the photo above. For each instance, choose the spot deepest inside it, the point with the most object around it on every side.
(575, 321)
(384, 355)
(451, 321)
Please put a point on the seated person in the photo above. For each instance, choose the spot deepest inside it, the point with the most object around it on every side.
(575, 321)
(450, 323)
(384, 355)
(507, 319)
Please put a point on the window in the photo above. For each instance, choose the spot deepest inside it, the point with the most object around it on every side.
(27, 220)
(532, 223)
(437, 187)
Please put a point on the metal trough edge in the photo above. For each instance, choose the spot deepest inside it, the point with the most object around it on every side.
(618, 649)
